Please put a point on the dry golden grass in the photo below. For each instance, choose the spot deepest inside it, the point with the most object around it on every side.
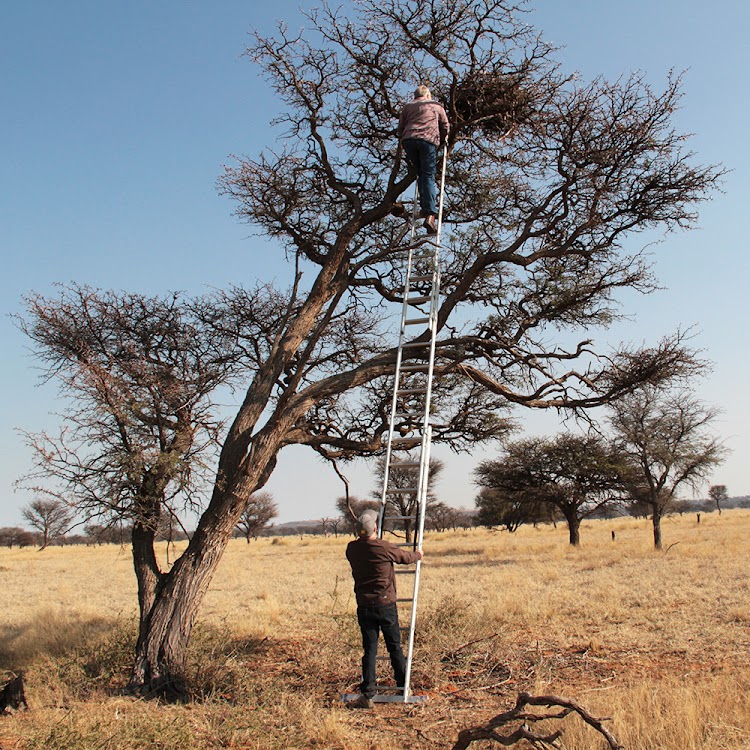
(658, 641)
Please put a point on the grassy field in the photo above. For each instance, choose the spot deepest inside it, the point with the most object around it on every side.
(658, 641)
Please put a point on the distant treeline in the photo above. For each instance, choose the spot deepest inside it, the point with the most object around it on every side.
(92, 535)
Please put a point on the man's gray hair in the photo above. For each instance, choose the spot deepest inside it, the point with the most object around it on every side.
(367, 523)
(422, 92)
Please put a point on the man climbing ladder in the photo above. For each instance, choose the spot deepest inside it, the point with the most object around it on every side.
(422, 127)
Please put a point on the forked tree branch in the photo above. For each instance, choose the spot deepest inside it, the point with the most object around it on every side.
(493, 728)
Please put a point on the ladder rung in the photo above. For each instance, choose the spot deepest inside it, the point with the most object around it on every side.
(405, 572)
(409, 599)
(421, 277)
(405, 464)
(401, 391)
(415, 321)
(399, 518)
(406, 440)
(402, 490)
(415, 368)
(418, 300)
(414, 344)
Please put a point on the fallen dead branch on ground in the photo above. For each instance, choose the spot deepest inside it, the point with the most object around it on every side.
(525, 729)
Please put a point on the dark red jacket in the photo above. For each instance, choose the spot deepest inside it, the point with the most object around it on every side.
(372, 567)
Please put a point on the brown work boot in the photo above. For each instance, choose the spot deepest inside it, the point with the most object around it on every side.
(362, 702)
(429, 225)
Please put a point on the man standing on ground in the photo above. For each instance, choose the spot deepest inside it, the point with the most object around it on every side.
(372, 561)
(422, 127)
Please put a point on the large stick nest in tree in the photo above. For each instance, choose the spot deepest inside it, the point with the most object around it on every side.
(492, 102)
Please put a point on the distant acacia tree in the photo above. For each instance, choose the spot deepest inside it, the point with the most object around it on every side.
(51, 518)
(331, 525)
(510, 510)
(666, 435)
(548, 176)
(114, 533)
(718, 493)
(442, 517)
(257, 516)
(578, 475)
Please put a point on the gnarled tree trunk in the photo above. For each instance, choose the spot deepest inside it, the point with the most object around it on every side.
(166, 626)
(168, 616)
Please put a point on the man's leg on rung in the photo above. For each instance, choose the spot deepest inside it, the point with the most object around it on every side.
(422, 155)
(427, 186)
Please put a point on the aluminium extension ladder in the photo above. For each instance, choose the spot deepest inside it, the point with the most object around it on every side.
(409, 428)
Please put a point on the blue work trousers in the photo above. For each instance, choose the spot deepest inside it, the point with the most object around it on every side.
(371, 621)
(422, 155)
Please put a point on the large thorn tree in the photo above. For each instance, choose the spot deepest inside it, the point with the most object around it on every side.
(547, 176)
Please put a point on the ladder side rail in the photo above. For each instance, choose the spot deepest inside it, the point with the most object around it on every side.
(426, 433)
(419, 532)
(397, 375)
(442, 193)
(434, 303)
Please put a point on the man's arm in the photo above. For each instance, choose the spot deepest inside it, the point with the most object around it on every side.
(443, 125)
(401, 124)
(402, 556)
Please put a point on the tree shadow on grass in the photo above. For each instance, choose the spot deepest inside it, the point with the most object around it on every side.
(51, 634)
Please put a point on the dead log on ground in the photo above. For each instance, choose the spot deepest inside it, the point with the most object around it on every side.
(525, 730)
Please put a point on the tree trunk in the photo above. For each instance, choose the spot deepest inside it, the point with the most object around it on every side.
(656, 520)
(146, 567)
(166, 626)
(574, 527)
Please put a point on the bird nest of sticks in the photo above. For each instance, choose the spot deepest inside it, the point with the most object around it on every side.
(494, 103)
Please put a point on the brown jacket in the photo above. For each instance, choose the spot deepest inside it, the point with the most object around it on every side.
(424, 119)
(372, 567)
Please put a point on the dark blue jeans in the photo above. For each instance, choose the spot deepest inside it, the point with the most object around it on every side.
(371, 621)
(422, 155)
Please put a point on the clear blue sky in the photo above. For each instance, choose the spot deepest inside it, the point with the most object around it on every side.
(117, 118)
